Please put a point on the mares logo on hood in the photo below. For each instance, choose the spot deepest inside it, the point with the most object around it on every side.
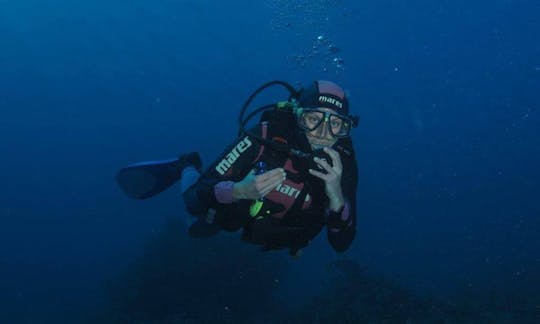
(332, 101)
(325, 94)
(225, 164)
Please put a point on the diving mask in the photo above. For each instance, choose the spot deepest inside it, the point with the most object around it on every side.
(311, 118)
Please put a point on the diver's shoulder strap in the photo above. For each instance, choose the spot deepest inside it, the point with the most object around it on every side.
(264, 135)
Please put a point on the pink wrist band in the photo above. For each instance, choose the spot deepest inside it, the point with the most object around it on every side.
(223, 192)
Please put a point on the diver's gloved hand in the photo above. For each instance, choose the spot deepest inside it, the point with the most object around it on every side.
(257, 186)
(332, 178)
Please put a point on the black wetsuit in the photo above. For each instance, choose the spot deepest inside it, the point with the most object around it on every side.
(284, 222)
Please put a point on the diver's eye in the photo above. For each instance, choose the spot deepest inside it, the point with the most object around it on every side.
(312, 118)
(336, 123)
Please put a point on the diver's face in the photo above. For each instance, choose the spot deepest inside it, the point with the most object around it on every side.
(320, 137)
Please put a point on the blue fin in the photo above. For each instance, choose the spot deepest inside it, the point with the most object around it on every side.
(146, 179)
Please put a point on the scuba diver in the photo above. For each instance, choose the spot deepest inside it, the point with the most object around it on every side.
(280, 182)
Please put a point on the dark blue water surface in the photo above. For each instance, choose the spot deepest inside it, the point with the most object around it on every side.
(448, 150)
